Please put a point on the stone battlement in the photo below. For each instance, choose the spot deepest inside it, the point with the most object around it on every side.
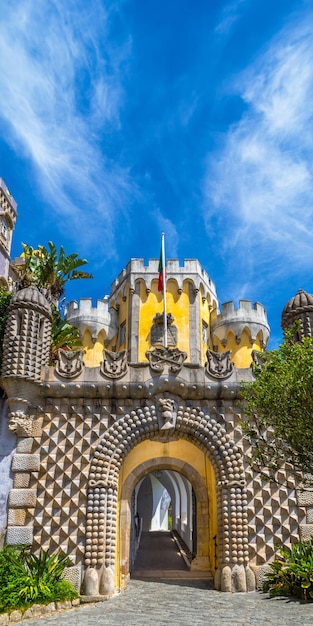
(190, 270)
(246, 315)
(85, 315)
(85, 307)
(245, 308)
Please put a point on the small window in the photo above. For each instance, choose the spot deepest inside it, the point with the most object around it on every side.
(4, 230)
(123, 334)
(205, 332)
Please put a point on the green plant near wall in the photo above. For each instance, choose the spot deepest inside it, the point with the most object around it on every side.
(26, 578)
(292, 572)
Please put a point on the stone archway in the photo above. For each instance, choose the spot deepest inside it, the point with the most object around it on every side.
(182, 467)
(164, 421)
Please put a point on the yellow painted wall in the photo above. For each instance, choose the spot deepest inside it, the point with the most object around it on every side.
(148, 451)
(93, 351)
(152, 303)
(123, 318)
(242, 352)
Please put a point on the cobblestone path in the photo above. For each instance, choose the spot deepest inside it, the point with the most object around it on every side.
(183, 603)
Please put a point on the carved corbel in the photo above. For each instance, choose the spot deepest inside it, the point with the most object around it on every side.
(24, 425)
(219, 364)
(114, 364)
(69, 363)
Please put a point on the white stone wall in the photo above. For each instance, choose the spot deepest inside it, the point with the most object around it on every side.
(7, 448)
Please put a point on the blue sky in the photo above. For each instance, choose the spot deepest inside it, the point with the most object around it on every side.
(122, 119)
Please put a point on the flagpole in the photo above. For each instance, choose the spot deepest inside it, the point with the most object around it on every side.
(164, 290)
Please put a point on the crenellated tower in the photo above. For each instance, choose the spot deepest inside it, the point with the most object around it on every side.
(240, 330)
(134, 319)
(98, 326)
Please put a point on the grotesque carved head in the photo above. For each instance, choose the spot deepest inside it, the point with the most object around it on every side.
(23, 425)
(167, 412)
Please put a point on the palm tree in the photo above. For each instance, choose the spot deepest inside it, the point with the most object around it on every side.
(63, 335)
(49, 270)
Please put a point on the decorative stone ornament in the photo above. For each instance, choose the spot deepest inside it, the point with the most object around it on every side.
(69, 363)
(258, 358)
(114, 364)
(24, 425)
(219, 364)
(172, 358)
(167, 414)
(157, 330)
(211, 437)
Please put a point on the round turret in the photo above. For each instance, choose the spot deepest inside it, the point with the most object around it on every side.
(97, 326)
(240, 330)
(27, 339)
(96, 319)
(299, 308)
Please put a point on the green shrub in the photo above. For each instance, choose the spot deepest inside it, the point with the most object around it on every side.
(292, 572)
(26, 578)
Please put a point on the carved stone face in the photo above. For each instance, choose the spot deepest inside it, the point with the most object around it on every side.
(24, 426)
(20, 424)
(167, 408)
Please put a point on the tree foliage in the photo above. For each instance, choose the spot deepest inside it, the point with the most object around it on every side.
(278, 408)
(49, 269)
(63, 335)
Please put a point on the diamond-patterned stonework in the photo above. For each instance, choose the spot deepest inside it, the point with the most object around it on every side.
(274, 514)
(69, 436)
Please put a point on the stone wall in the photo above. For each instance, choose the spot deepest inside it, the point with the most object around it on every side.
(7, 447)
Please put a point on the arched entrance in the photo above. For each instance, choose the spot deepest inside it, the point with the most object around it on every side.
(160, 436)
(132, 475)
(163, 520)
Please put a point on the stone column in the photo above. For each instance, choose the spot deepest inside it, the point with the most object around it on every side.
(194, 325)
(133, 326)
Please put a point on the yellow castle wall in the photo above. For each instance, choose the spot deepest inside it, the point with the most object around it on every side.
(152, 303)
(242, 351)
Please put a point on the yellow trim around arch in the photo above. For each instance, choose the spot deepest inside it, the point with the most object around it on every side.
(195, 465)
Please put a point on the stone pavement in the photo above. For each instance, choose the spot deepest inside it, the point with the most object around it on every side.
(173, 597)
(183, 603)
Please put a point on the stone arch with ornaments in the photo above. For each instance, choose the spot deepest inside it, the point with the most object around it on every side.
(179, 422)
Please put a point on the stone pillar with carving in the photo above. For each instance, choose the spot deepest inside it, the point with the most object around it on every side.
(27, 338)
(25, 351)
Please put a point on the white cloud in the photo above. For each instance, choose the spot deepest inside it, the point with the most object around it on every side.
(230, 14)
(260, 184)
(61, 94)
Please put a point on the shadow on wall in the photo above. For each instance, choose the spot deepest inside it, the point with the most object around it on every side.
(7, 448)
